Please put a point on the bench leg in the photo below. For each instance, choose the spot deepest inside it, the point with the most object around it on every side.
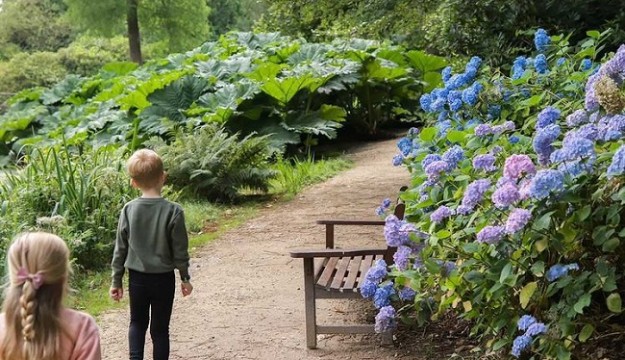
(309, 293)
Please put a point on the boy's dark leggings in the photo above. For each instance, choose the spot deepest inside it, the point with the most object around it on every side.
(155, 291)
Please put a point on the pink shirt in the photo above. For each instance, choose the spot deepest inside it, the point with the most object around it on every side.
(82, 339)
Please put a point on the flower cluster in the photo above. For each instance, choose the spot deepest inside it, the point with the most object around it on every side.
(557, 271)
(532, 327)
(384, 206)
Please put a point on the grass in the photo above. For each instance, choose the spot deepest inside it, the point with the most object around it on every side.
(208, 221)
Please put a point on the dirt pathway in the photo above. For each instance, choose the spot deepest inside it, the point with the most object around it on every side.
(248, 301)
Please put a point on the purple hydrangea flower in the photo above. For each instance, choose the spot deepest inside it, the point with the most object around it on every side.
(402, 257)
(483, 130)
(491, 234)
(385, 320)
(591, 102)
(577, 118)
(379, 211)
(473, 194)
(440, 214)
(407, 294)
(517, 220)
(413, 131)
(547, 117)
(546, 182)
(484, 162)
(520, 344)
(615, 67)
(430, 158)
(518, 165)
(506, 126)
(435, 169)
(617, 166)
(505, 196)
(392, 232)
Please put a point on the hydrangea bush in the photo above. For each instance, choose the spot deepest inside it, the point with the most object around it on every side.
(519, 184)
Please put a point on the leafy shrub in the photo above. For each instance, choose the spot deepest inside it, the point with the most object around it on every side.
(293, 175)
(86, 55)
(519, 184)
(76, 195)
(30, 70)
(290, 90)
(212, 164)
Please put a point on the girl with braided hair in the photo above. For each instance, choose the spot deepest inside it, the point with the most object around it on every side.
(34, 324)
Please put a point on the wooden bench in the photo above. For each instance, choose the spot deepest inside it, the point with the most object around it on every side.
(337, 274)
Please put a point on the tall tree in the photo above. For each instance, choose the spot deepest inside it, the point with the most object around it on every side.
(179, 24)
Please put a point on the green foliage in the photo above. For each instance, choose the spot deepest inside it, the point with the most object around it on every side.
(27, 70)
(76, 195)
(33, 25)
(212, 164)
(290, 90)
(488, 28)
(180, 24)
(233, 15)
(87, 55)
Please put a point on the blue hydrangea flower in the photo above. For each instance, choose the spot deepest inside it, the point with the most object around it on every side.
(443, 127)
(405, 146)
(586, 65)
(440, 214)
(493, 112)
(382, 296)
(484, 162)
(401, 257)
(520, 344)
(446, 73)
(517, 220)
(540, 64)
(385, 320)
(426, 102)
(546, 182)
(413, 131)
(455, 100)
(513, 139)
(560, 61)
(368, 288)
(379, 211)
(541, 40)
(470, 94)
(547, 117)
(617, 166)
(557, 271)
(398, 160)
(536, 329)
(430, 158)
(453, 156)
(525, 322)
(377, 272)
(543, 140)
(491, 234)
(407, 294)
(518, 67)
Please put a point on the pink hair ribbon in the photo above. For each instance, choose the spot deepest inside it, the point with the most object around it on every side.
(35, 279)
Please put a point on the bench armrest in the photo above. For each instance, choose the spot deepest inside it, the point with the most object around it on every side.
(336, 252)
(351, 222)
(330, 227)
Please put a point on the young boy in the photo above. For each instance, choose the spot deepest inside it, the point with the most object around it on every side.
(151, 241)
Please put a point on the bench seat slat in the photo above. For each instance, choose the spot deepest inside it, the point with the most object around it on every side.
(352, 276)
(341, 273)
(328, 271)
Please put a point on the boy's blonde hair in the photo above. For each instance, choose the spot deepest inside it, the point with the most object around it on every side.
(145, 167)
(38, 269)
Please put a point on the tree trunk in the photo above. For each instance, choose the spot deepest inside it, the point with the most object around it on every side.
(134, 38)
